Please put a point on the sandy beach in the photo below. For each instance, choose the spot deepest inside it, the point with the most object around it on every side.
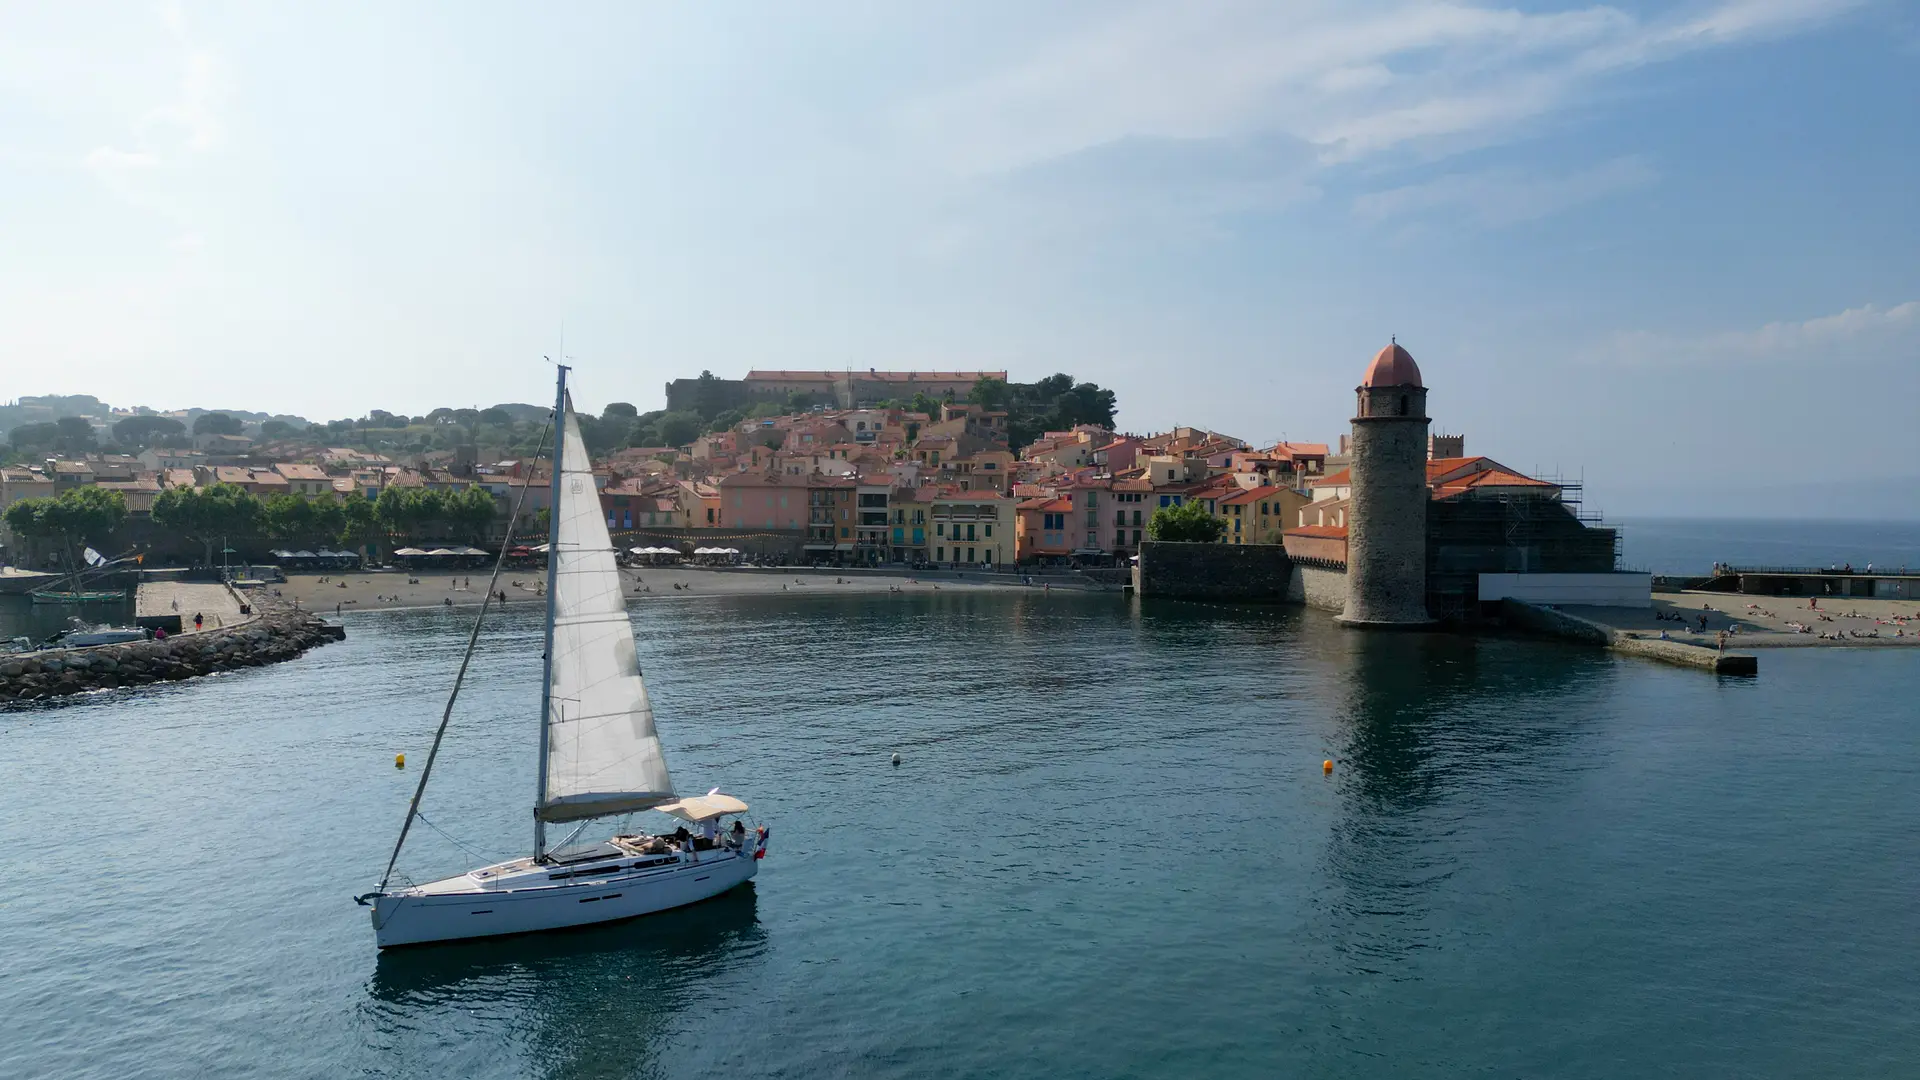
(1770, 621)
(395, 589)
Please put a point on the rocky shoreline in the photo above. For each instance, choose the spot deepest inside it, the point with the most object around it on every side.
(277, 633)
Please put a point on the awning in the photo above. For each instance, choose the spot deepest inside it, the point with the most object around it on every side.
(409, 551)
(703, 807)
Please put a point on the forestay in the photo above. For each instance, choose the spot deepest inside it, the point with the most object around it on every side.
(603, 756)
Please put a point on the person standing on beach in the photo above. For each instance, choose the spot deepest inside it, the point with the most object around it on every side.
(196, 620)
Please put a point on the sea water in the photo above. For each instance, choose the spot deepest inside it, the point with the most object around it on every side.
(1109, 849)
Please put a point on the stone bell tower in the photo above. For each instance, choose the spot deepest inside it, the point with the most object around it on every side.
(1387, 517)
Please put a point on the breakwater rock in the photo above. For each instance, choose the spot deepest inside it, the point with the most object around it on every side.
(269, 638)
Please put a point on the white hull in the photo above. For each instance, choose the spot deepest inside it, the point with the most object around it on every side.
(519, 897)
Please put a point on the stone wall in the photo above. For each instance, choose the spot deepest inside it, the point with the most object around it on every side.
(1318, 587)
(1243, 572)
(278, 634)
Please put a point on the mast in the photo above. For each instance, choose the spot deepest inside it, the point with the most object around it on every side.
(553, 566)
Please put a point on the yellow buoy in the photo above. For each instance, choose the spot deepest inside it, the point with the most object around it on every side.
(400, 761)
(1327, 765)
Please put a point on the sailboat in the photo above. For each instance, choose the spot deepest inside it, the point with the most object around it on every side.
(599, 757)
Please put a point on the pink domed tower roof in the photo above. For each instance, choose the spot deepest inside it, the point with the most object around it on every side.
(1392, 366)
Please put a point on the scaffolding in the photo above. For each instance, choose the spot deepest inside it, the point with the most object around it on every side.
(1491, 533)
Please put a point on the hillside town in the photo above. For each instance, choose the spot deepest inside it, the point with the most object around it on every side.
(855, 474)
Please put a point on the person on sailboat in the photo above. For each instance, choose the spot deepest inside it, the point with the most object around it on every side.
(737, 838)
(710, 832)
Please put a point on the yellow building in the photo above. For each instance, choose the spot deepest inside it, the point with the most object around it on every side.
(910, 523)
(972, 528)
(1258, 515)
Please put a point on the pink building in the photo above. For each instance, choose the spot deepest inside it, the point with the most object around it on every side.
(754, 500)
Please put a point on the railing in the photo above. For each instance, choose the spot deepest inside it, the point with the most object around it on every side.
(1815, 571)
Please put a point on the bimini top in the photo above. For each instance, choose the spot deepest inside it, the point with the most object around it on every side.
(702, 807)
(1392, 366)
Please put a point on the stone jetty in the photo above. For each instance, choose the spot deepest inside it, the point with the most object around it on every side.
(1553, 622)
(272, 631)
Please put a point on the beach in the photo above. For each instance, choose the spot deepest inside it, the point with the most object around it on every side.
(1759, 622)
(382, 590)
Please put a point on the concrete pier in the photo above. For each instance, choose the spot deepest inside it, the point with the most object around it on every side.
(1553, 622)
(172, 605)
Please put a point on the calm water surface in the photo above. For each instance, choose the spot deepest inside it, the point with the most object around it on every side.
(1109, 851)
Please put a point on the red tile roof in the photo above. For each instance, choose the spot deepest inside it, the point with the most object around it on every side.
(1250, 495)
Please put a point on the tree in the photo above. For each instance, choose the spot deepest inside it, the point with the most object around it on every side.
(619, 409)
(990, 393)
(405, 511)
(678, 428)
(207, 514)
(77, 516)
(275, 429)
(725, 420)
(298, 518)
(214, 423)
(496, 416)
(1188, 523)
(1055, 403)
(470, 511)
(146, 430)
(76, 434)
(359, 526)
(34, 437)
(708, 396)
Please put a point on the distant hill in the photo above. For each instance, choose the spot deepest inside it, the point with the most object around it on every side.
(45, 408)
(520, 411)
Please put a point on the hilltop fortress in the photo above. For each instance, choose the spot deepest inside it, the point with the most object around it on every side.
(847, 389)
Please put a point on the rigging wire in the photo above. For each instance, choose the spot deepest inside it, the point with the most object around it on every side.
(454, 840)
(413, 808)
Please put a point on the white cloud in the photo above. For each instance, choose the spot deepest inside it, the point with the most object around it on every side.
(1353, 78)
(1867, 332)
(1506, 197)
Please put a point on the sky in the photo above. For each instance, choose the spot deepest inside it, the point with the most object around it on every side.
(1664, 248)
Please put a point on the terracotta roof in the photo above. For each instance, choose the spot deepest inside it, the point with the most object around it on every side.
(1250, 495)
(1338, 479)
(1324, 532)
(1392, 366)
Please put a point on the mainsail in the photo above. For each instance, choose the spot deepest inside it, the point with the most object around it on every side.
(603, 756)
